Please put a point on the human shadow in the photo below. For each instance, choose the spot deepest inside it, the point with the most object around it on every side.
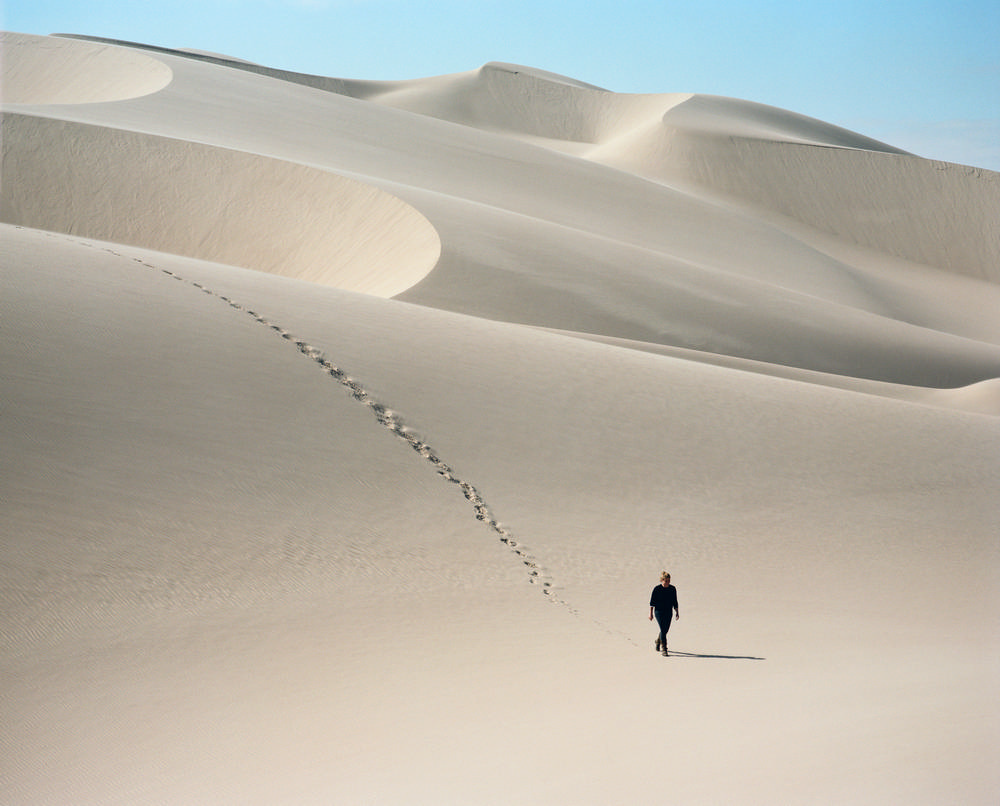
(674, 654)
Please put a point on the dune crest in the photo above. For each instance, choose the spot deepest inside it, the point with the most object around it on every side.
(828, 177)
(837, 181)
(50, 70)
(273, 541)
(212, 203)
(526, 102)
(711, 114)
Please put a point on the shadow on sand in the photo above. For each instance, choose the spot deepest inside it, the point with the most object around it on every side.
(675, 654)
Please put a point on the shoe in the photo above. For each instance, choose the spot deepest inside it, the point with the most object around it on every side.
(657, 644)
(665, 653)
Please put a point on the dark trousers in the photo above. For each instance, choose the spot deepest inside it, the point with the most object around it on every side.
(663, 618)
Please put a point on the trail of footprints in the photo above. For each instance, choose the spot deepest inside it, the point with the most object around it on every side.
(390, 420)
(385, 416)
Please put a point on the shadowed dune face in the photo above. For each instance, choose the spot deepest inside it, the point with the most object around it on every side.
(47, 70)
(728, 226)
(932, 213)
(212, 203)
(527, 103)
(270, 541)
(834, 180)
(184, 197)
(711, 114)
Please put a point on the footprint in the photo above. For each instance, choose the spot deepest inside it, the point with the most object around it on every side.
(388, 419)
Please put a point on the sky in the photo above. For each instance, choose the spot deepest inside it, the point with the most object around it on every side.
(922, 75)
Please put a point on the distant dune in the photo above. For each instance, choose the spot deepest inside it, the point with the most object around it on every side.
(346, 427)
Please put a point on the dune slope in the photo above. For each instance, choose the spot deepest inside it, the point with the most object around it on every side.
(346, 427)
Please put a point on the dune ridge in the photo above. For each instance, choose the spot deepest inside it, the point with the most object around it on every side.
(212, 203)
(46, 71)
(345, 427)
(929, 212)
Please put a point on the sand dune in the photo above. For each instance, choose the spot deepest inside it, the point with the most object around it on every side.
(222, 205)
(347, 425)
(929, 212)
(40, 70)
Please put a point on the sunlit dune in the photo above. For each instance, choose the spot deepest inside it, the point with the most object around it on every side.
(346, 427)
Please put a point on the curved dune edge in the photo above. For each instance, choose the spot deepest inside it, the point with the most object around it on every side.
(934, 213)
(874, 195)
(527, 103)
(982, 397)
(47, 70)
(212, 203)
(510, 99)
(733, 117)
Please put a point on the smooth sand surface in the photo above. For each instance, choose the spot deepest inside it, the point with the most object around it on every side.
(346, 427)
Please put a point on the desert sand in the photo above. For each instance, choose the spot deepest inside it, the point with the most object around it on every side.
(346, 426)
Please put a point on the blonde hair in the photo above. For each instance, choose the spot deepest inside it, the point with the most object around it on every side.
(664, 576)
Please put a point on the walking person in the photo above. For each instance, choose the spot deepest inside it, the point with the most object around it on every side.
(663, 605)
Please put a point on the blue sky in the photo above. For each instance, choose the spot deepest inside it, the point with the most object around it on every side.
(923, 75)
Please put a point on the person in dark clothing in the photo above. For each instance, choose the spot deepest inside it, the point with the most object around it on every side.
(663, 605)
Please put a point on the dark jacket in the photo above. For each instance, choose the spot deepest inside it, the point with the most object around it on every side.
(663, 598)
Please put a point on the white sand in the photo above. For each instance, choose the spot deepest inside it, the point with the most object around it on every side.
(242, 560)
